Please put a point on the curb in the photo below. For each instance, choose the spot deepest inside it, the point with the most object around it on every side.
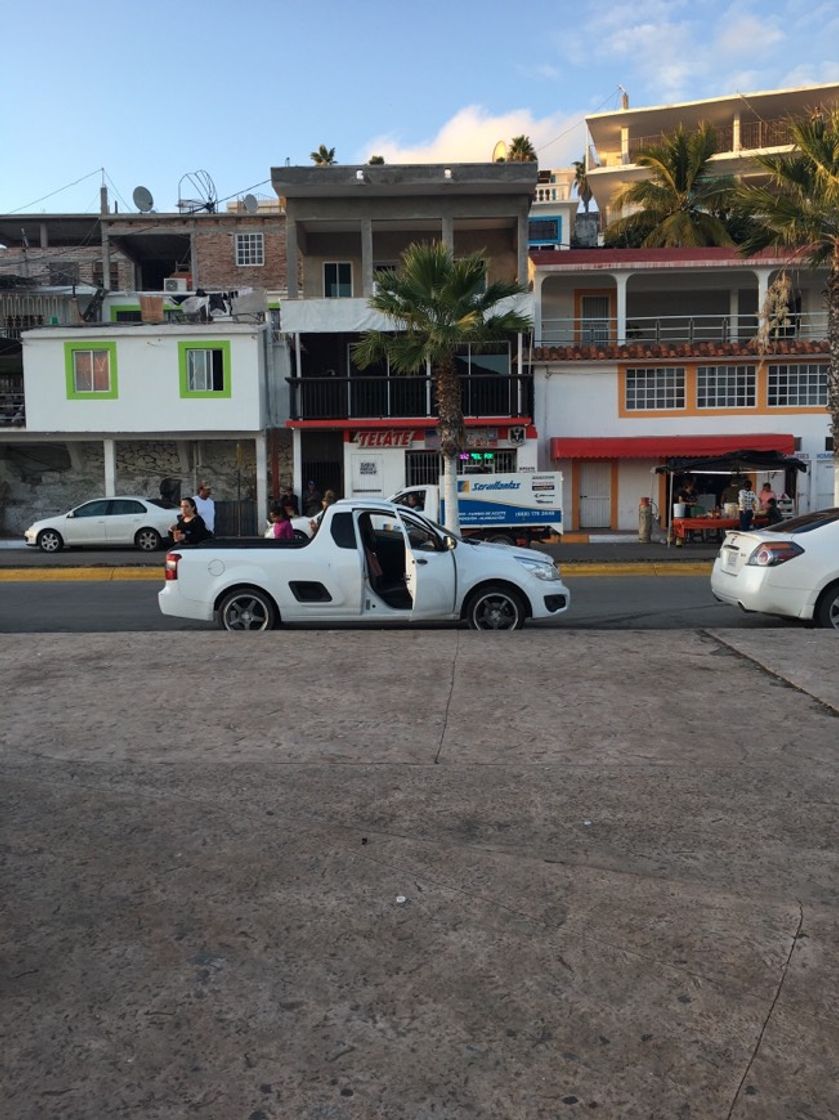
(59, 575)
(569, 570)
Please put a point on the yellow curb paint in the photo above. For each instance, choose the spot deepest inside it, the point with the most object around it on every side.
(569, 571)
(59, 575)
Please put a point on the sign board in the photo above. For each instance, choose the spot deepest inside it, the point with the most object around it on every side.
(384, 439)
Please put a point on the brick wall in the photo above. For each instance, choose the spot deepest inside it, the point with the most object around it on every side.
(215, 250)
(79, 264)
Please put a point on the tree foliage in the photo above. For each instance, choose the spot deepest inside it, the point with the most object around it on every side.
(682, 202)
(521, 150)
(323, 156)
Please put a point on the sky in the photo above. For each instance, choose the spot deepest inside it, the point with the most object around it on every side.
(152, 91)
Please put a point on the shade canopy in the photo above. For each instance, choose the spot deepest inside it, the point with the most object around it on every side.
(735, 462)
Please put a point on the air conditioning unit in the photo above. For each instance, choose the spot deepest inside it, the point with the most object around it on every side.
(176, 284)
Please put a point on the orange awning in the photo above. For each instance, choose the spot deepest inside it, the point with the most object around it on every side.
(666, 447)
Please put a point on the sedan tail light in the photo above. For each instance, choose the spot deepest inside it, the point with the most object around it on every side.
(771, 554)
(170, 568)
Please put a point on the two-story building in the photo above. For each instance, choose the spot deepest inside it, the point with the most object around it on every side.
(369, 431)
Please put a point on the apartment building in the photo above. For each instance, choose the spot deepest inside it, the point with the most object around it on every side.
(646, 356)
(370, 431)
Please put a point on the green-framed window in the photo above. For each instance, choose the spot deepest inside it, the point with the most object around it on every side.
(204, 369)
(90, 369)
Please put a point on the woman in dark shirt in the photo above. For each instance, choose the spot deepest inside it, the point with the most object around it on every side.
(190, 527)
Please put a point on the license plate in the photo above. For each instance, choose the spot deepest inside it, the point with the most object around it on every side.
(730, 558)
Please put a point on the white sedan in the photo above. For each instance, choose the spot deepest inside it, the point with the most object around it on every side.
(790, 570)
(141, 522)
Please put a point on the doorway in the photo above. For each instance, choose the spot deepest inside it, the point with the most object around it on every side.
(322, 460)
(595, 490)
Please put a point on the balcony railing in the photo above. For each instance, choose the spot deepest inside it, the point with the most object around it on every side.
(677, 328)
(347, 398)
(12, 409)
(753, 134)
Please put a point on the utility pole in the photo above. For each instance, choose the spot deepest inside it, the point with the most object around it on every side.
(106, 245)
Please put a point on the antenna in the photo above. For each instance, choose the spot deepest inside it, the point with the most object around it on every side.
(499, 152)
(250, 204)
(203, 191)
(143, 199)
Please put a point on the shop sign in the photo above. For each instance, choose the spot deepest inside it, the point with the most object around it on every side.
(384, 439)
(475, 438)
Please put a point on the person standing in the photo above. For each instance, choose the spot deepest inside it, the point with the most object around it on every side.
(312, 498)
(767, 495)
(206, 506)
(190, 527)
(747, 505)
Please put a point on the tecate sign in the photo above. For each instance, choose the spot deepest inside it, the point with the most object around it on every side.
(384, 439)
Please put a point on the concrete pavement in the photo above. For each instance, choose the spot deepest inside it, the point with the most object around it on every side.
(421, 875)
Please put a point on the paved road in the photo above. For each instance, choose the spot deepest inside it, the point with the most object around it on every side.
(668, 602)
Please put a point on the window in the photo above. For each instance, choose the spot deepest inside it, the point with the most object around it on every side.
(204, 369)
(63, 273)
(127, 315)
(423, 468)
(544, 230)
(343, 530)
(99, 508)
(800, 385)
(725, 387)
(594, 319)
(250, 249)
(90, 370)
(655, 388)
(337, 279)
(99, 272)
(125, 506)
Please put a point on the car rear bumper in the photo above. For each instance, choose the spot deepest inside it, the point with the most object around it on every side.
(172, 603)
(753, 589)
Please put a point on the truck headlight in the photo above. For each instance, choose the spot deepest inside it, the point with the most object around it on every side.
(542, 569)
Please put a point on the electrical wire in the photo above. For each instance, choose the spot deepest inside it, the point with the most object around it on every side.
(43, 198)
(116, 189)
(577, 123)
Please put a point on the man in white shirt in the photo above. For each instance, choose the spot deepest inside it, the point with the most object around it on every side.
(747, 503)
(206, 506)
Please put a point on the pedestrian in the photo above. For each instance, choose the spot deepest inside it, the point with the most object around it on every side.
(190, 527)
(773, 514)
(326, 501)
(767, 495)
(206, 506)
(312, 499)
(289, 498)
(747, 505)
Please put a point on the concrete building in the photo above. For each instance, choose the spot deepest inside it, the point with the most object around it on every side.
(647, 355)
(368, 431)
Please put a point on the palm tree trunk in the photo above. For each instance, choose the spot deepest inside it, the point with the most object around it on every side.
(833, 367)
(452, 436)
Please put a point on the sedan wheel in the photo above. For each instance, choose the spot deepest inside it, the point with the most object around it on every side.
(827, 608)
(495, 608)
(148, 540)
(50, 540)
(246, 610)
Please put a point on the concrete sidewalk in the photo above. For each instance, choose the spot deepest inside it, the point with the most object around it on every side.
(421, 875)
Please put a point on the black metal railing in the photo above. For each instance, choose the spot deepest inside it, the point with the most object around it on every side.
(12, 410)
(346, 398)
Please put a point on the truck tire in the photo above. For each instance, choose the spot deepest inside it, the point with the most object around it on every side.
(499, 538)
(246, 608)
(495, 606)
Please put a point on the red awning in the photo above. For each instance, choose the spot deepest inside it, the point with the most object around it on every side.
(666, 447)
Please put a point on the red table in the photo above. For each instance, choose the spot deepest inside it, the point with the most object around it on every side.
(682, 526)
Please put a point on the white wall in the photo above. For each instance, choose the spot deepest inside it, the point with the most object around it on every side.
(149, 397)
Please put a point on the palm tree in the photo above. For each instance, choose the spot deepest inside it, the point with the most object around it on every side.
(584, 191)
(681, 202)
(436, 305)
(521, 150)
(323, 157)
(799, 209)
(373, 160)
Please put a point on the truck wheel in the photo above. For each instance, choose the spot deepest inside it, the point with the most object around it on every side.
(495, 607)
(246, 609)
(499, 538)
(827, 609)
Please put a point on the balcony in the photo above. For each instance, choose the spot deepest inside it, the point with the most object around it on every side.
(678, 329)
(753, 134)
(348, 398)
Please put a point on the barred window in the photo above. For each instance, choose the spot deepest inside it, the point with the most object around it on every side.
(655, 388)
(797, 385)
(250, 249)
(726, 387)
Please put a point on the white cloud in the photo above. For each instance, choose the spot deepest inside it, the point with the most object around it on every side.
(472, 133)
(746, 36)
(810, 74)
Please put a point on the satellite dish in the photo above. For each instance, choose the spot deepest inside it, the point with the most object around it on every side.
(499, 152)
(143, 199)
(250, 204)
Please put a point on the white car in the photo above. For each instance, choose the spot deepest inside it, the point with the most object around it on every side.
(369, 562)
(141, 522)
(791, 569)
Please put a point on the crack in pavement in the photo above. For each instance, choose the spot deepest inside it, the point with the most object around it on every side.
(783, 977)
(448, 699)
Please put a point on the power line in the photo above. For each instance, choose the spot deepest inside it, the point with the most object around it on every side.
(66, 187)
(116, 189)
(578, 122)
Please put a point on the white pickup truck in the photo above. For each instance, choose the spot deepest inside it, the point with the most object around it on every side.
(504, 508)
(370, 562)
